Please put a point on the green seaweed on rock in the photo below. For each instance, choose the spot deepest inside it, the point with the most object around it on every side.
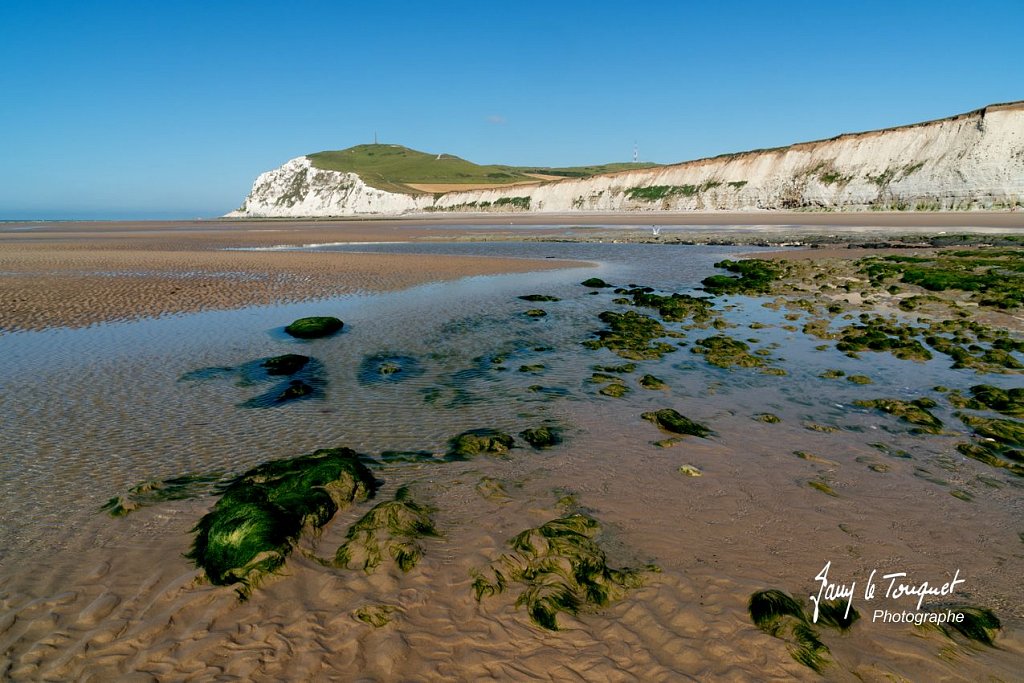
(915, 412)
(288, 364)
(476, 442)
(631, 335)
(671, 421)
(539, 297)
(653, 383)
(254, 526)
(987, 397)
(314, 327)
(723, 351)
(755, 277)
(595, 282)
(560, 568)
(542, 437)
(391, 529)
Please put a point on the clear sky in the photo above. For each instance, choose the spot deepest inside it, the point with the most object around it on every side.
(170, 109)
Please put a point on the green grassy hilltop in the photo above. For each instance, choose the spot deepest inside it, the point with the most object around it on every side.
(394, 168)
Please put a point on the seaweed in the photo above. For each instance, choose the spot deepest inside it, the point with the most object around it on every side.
(768, 418)
(978, 624)
(148, 493)
(535, 313)
(780, 616)
(1002, 432)
(376, 616)
(542, 437)
(915, 412)
(674, 307)
(723, 351)
(305, 373)
(288, 364)
(881, 335)
(614, 389)
(631, 335)
(314, 327)
(624, 368)
(690, 471)
(539, 297)
(652, 382)
(595, 282)
(254, 526)
(387, 368)
(755, 277)
(671, 421)
(987, 397)
(560, 568)
(476, 442)
(390, 529)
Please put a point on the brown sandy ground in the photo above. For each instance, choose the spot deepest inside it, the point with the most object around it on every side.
(77, 277)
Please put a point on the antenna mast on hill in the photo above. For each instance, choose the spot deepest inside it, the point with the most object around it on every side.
(375, 137)
(636, 158)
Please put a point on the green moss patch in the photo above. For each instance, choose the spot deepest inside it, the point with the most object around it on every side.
(253, 527)
(560, 568)
(987, 397)
(314, 327)
(595, 282)
(673, 307)
(539, 297)
(882, 335)
(391, 529)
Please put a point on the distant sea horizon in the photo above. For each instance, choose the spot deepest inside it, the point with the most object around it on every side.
(106, 215)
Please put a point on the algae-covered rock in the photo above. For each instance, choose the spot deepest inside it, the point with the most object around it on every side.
(261, 514)
(560, 568)
(536, 313)
(915, 412)
(392, 529)
(768, 418)
(653, 383)
(314, 327)
(624, 368)
(595, 282)
(542, 437)
(614, 390)
(690, 471)
(476, 442)
(724, 351)
(631, 335)
(539, 297)
(859, 379)
(288, 364)
(755, 277)
(671, 421)
(674, 307)
(987, 397)
(1003, 432)
(881, 335)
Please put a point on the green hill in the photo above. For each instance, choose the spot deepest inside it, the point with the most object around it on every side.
(394, 168)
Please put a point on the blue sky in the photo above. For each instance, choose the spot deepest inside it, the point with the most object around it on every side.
(170, 109)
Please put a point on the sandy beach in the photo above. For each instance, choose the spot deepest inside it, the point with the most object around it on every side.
(793, 472)
(57, 274)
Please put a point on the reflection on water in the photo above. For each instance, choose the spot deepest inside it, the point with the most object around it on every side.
(85, 414)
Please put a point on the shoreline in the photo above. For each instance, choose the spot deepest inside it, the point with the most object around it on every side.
(78, 274)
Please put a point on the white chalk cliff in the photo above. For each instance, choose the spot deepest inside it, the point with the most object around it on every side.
(970, 161)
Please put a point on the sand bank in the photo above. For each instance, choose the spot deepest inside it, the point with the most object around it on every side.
(77, 278)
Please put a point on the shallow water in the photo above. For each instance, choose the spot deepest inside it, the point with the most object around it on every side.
(85, 414)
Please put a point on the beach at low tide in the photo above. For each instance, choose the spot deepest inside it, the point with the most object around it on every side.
(98, 397)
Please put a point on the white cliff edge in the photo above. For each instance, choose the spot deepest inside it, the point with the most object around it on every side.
(970, 161)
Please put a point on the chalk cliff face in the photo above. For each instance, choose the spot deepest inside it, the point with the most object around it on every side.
(970, 161)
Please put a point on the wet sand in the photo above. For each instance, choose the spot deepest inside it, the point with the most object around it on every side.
(86, 597)
(75, 279)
